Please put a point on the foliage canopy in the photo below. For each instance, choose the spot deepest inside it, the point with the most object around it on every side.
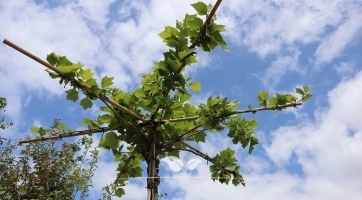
(46, 170)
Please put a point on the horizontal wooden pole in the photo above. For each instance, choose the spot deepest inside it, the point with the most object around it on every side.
(85, 87)
(71, 134)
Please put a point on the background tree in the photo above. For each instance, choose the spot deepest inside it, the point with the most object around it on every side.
(46, 170)
(157, 120)
(3, 104)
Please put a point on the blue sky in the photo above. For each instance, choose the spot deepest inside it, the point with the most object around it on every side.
(313, 152)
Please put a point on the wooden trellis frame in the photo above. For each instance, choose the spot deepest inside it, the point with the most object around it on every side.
(152, 174)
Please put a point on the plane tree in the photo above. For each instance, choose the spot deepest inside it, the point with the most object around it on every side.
(157, 119)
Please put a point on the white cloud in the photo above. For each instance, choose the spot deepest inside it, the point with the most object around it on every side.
(268, 26)
(281, 28)
(283, 64)
(345, 68)
(334, 44)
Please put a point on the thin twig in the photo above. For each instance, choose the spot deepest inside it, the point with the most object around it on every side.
(180, 137)
(124, 167)
(85, 87)
(206, 157)
(180, 149)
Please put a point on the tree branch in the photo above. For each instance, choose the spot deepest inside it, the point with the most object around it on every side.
(75, 82)
(125, 165)
(179, 137)
(206, 157)
(71, 134)
(242, 111)
(181, 149)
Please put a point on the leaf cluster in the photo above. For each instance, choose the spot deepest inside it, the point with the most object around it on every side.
(225, 167)
(282, 99)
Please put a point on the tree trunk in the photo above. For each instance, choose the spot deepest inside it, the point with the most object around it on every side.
(153, 179)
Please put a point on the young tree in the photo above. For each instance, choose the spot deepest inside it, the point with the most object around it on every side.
(157, 120)
(46, 170)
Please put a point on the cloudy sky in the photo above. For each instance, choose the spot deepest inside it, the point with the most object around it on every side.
(313, 152)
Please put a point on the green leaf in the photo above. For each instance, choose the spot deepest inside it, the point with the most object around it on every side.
(105, 118)
(191, 60)
(62, 126)
(215, 101)
(175, 153)
(299, 91)
(107, 81)
(63, 61)
(196, 23)
(200, 137)
(85, 74)
(200, 7)
(86, 103)
(70, 68)
(253, 123)
(230, 167)
(195, 86)
(86, 122)
(273, 102)
(35, 129)
(217, 27)
(43, 131)
(251, 148)
(220, 40)
(172, 43)
(263, 95)
(111, 139)
(184, 97)
(183, 54)
(187, 19)
(178, 113)
(160, 66)
(52, 58)
(179, 25)
(306, 97)
(169, 30)
(306, 89)
(235, 182)
(72, 95)
(91, 82)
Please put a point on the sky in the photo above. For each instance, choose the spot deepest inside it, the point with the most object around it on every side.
(312, 152)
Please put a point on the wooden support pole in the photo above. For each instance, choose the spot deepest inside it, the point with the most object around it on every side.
(65, 135)
(207, 22)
